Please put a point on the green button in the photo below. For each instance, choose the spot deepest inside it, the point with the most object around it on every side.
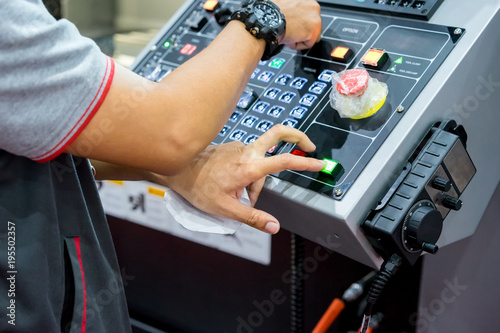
(330, 166)
(277, 63)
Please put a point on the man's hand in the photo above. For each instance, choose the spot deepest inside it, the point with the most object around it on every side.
(303, 22)
(216, 178)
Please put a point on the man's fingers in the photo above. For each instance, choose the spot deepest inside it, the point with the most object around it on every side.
(280, 133)
(255, 218)
(283, 162)
(254, 190)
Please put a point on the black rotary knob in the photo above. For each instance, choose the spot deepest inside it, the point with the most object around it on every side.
(422, 227)
(452, 202)
(441, 184)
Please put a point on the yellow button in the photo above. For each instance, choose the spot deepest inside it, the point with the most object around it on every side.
(375, 58)
(341, 53)
(210, 5)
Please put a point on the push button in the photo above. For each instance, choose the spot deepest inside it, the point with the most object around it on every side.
(265, 76)
(224, 130)
(342, 54)
(260, 107)
(317, 88)
(375, 58)
(251, 139)
(276, 111)
(197, 21)
(211, 5)
(264, 125)
(277, 63)
(235, 116)
(274, 149)
(298, 112)
(237, 135)
(249, 121)
(290, 122)
(326, 75)
(283, 79)
(298, 152)
(330, 166)
(287, 97)
(298, 83)
(246, 99)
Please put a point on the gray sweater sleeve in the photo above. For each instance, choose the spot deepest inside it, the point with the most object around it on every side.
(52, 81)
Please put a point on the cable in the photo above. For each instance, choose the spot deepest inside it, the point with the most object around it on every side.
(389, 268)
(351, 294)
(297, 285)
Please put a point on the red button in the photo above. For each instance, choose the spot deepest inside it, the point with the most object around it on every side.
(272, 149)
(298, 152)
(353, 83)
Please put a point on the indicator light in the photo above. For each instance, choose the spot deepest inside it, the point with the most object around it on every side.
(211, 5)
(188, 49)
(399, 60)
(277, 63)
(192, 49)
(342, 54)
(375, 58)
(167, 44)
(330, 166)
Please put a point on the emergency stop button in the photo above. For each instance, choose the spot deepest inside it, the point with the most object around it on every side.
(353, 83)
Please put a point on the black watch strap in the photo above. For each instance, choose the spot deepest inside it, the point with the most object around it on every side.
(272, 35)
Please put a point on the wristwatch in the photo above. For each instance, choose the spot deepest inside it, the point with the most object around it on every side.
(263, 19)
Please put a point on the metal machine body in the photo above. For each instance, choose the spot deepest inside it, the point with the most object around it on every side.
(450, 72)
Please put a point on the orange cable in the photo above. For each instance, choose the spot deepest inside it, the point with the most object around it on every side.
(329, 316)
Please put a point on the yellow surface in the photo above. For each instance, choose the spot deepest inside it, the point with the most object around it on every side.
(372, 110)
(156, 191)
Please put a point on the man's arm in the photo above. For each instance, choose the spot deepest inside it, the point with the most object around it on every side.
(162, 127)
(215, 179)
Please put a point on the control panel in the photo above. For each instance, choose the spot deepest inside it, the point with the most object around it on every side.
(293, 88)
(419, 9)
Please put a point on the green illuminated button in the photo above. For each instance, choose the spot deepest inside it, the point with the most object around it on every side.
(330, 166)
(277, 63)
(167, 44)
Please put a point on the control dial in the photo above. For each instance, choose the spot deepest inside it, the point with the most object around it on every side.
(422, 227)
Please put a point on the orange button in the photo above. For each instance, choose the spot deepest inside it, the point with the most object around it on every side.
(211, 5)
(375, 58)
(341, 53)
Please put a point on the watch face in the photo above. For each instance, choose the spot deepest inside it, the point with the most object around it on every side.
(267, 15)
